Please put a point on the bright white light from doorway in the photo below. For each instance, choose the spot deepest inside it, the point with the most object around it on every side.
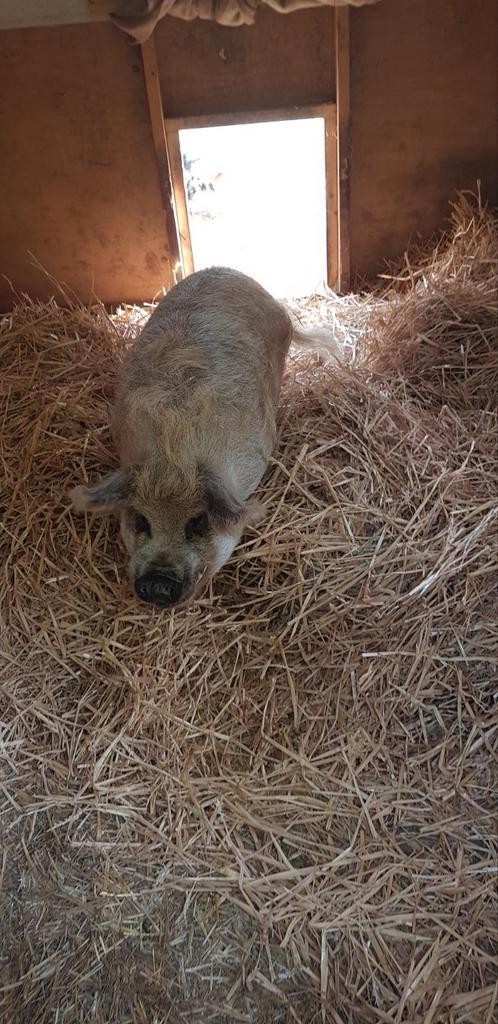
(256, 201)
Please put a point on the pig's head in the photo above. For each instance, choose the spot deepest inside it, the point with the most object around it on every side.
(178, 529)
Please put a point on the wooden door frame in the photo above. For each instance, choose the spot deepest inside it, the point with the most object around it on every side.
(326, 111)
(343, 136)
(337, 157)
(163, 158)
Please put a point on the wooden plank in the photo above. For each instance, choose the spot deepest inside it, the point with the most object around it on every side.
(221, 120)
(280, 61)
(156, 112)
(343, 139)
(331, 178)
(43, 13)
(180, 198)
(78, 169)
(423, 119)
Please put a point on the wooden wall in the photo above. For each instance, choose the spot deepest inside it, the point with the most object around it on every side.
(423, 118)
(78, 172)
(280, 61)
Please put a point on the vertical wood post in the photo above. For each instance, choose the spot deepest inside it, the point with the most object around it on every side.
(342, 65)
(152, 85)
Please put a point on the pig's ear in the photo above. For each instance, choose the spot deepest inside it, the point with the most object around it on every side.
(107, 495)
(222, 505)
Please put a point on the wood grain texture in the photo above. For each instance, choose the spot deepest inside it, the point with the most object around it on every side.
(332, 197)
(31, 13)
(280, 61)
(252, 116)
(78, 170)
(343, 159)
(163, 157)
(423, 119)
(176, 166)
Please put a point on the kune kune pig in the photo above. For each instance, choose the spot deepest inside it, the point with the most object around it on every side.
(194, 423)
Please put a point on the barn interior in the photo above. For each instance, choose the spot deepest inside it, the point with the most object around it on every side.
(275, 806)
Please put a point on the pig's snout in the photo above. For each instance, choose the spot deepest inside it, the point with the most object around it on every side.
(159, 587)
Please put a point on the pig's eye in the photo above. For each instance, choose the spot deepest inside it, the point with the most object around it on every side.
(197, 527)
(141, 524)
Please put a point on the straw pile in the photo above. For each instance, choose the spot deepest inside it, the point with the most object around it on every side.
(276, 805)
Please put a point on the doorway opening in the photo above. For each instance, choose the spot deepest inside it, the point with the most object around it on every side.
(256, 199)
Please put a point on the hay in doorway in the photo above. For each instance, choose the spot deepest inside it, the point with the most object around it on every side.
(276, 805)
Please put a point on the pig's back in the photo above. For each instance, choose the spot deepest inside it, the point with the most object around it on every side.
(217, 327)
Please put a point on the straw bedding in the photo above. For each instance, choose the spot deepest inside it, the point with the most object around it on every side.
(276, 805)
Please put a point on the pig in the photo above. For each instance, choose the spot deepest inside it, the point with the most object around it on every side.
(194, 423)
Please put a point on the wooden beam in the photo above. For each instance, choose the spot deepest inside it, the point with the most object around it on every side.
(251, 116)
(42, 13)
(331, 187)
(180, 198)
(342, 64)
(149, 59)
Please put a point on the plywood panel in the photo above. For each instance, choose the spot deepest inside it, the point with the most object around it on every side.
(28, 13)
(423, 118)
(78, 171)
(280, 61)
